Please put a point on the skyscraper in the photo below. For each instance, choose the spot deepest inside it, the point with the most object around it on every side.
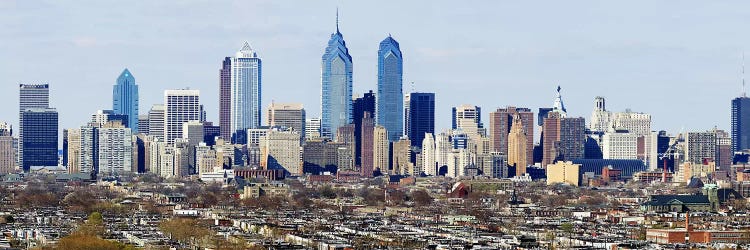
(469, 119)
(390, 94)
(245, 92)
(7, 152)
(563, 138)
(288, 115)
(419, 117)
(517, 145)
(740, 123)
(182, 105)
(156, 121)
(40, 136)
(600, 117)
(336, 85)
(501, 121)
(125, 99)
(363, 104)
(115, 149)
(312, 128)
(380, 150)
(30, 96)
(428, 155)
(366, 145)
(225, 99)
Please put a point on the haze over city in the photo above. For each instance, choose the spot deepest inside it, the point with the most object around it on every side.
(672, 61)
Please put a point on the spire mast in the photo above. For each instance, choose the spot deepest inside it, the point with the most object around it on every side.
(744, 93)
(337, 19)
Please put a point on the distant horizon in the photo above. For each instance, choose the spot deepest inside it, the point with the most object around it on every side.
(667, 61)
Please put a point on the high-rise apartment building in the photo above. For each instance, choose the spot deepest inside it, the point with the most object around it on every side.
(245, 77)
(39, 139)
(29, 96)
(740, 123)
(287, 115)
(380, 150)
(468, 118)
(501, 121)
(419, 116)
(181, 106)
(115, 149)
(390, 101)
(74, 151)
(336, 83)
(363, 104)
(225, 99)
(88, 156)
(700, 146)
(619, 144)
(156, 121)
(429, 166)
(143, 124)
(125, 99)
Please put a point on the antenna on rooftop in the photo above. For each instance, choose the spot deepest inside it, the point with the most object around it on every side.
(412, 87)
(744, 94)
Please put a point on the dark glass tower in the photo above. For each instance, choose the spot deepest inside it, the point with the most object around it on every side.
(361, 105)
(39, 137)
(125, 99)
(225, 99)
(419, 117)
(390, 94)
(740, 123)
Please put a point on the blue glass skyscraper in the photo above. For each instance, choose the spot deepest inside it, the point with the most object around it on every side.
(125, 99)
(390, 108)
(336, 85)
(245, 80)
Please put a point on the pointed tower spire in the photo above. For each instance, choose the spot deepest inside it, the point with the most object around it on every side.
(337, 19)
(744, 93)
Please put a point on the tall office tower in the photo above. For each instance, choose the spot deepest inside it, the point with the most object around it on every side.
(443, 148)
(419, 116)
(138, 157)
(156, 121)
(380, 149)
(40, 136)
(7, 152)
(428, 155)
(88, 158)
(367, 142)
(468, 118)
(518, 144)
(700, 146)
(245, 92)
(125, 99)
(390, 107)
(563, 138)
(501, 121)
(288, 115)
(401, 163)
(74, 151)
(740, 123)
(210, 133)
(619, 144)
(636, 123)
(115, 149)
(29, 96)
(192, 131)
(363, 104)
(143, 124)
(182, 105)
(281, 150)
(600, 117)
(312, 128)
(183, 157)
(336, 83)
(225, 98)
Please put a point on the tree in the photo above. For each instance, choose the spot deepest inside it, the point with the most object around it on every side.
(185, 230)
(94, 225)
(421, 197)
(327, 192)
(568, 229)
(89, 242)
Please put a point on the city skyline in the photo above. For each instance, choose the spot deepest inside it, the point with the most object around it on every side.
(577, 68)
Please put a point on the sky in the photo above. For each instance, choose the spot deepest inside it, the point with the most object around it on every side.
(680, 61)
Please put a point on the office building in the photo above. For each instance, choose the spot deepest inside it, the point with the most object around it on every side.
(600, 117)
(125, 99)
(562, 138)
(429, 163)
(419, 116)
(245, 78)
(740, 123)
(401, 163)
(380, 150)
(7, 151)
(336, 83)
(367, 144)
(102, 117)
(287, 115)
(40, 135)
(181, 106)
(281, 150)
(619, 144)
(156, 121)
(225, 98)
(501, 121)
(29, 96)
(74, 151)
(312, 128)
(468, 118)
(143, 124)
(363, 104)
(389, 110)
(192, 131)
(518, 144)
(700, 147)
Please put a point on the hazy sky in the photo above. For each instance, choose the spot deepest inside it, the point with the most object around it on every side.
(678, 60)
